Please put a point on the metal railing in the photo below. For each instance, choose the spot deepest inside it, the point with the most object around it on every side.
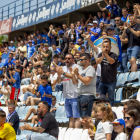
(18, 7)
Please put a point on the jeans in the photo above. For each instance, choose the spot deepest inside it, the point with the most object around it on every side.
(27, 94)
(133, 52)
(59, 87)
(97, 84)
(71, 108)
(85, 104)
(26, 81)
(41, 136)
(108, 88)
(123, 66)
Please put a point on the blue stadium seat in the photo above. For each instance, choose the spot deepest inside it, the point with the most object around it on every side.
(54, 93)
(122, 78)
(20, 112)
(132, 76)
(59, 96)
(118, 96)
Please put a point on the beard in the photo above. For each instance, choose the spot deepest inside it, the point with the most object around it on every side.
(40, 114)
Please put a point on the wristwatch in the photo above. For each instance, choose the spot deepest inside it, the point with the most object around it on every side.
(64, 73)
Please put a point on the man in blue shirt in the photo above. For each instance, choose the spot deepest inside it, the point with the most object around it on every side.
(30, 50)
(15, 81)
(1, 66)
(45, 90)
(39, 40)
(111, 33)
(112, 7)
(104, 19)
(45, 38)
(11, 47)
(55, 50)
(78, 31)
(10, 62)
(125, 14)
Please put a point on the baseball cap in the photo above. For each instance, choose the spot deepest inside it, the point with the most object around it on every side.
(46, 44)
(119, 121)
(95, 21)
(61, 32)
(5, 80)
(11, 42)
(30, 41)
(101, 97)
(110, 27)
(90, 24)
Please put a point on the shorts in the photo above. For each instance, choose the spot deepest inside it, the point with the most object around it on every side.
(85, 104)
(71, 108)
(14, 93)
(133, 52)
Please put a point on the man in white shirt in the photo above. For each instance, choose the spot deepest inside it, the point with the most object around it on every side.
(69, 91)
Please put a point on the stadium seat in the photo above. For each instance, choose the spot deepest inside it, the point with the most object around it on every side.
(59, 96)
(62, 133)
(54, 93)
(118, 96)
(76, 134)
(84, 135)
(114, 109)
(122, 78)
(132, 76)
(67, 134)
(5, 109)
(62, 115)
(20, 112)
(119, 112)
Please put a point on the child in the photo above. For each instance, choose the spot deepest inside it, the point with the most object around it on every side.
(7, 132)
(118, 126)
(53, 106)
(104, 128)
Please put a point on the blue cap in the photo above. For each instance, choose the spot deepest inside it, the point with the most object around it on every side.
(119, 121)
(110, 27)
(61, 32)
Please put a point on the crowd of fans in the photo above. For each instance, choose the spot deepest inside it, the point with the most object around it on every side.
(63, 58)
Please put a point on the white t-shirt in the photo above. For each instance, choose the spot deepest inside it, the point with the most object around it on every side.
(53, 77)
(103, 128)
(98, 71)
(121, 136)
(5, 97)
(69, 89)
(38, 76)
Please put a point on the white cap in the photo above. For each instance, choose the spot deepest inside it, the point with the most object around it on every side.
(11, 42)
(95, 21)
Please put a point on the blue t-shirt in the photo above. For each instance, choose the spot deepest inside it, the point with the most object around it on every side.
(105, 20)
(33, 43)
(95, 30)
(16, 76)
(120, 48)
(48, 90)
(12, 48)
(77, 33)
(58, 51)
(39, 41)
(30, 51)
(1, 65)
(114, 8)
(124, 19)
(9, 63)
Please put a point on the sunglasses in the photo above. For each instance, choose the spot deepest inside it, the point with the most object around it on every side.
(51, 70)
(117, 20)
(4, 82)
(82, 59)
(68, 58)
(128, 118)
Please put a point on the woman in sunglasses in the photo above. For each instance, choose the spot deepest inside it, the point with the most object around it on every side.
(132, 122)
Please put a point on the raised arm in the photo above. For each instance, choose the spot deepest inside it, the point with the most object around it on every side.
(102, 9)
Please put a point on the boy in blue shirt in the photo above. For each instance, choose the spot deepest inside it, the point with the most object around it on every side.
(15, 80)
(45, 90)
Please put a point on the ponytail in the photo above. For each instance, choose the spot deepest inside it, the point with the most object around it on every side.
(107, 108)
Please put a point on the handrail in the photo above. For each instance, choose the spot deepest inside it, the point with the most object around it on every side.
(5, 11)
